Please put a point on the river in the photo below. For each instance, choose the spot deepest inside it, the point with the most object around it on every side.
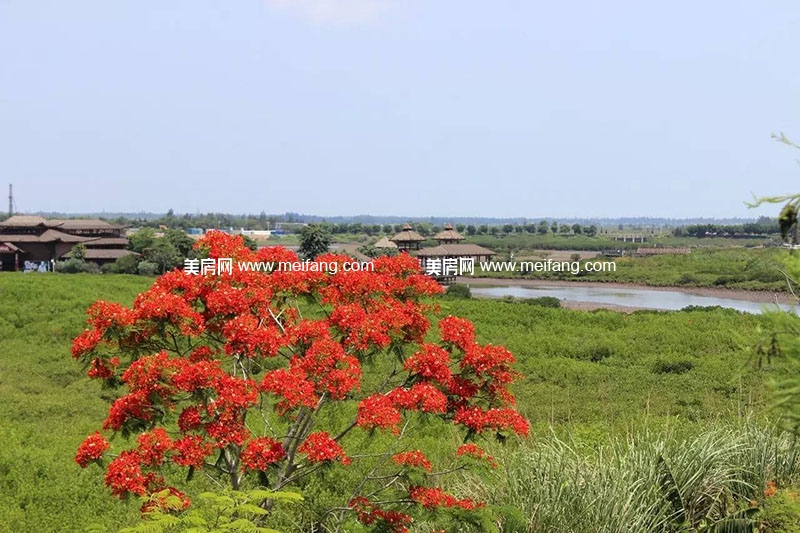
(668, 300)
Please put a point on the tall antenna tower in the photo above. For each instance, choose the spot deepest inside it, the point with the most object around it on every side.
(10, 199)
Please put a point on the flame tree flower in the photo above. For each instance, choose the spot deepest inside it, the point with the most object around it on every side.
(248, 374)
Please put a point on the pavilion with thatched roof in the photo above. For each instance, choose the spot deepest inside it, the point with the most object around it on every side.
(448, 235)
(408, 239)
(384, 242)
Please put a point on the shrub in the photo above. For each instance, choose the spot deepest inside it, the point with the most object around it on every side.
(146, 268)
(544, 301)
(373, 252)
(91, 267)
(275, 381)
(703, 308)
(679, 366)
(75, 266)
(128, 264)
(458, 290)
(594, 354)
(657, 483)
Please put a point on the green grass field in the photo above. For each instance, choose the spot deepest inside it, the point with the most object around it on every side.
(736, 268)
(526, 242)
(590, 377)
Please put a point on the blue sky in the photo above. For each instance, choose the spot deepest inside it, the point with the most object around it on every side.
(399, 107)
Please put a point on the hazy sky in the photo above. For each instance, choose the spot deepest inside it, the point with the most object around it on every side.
(402, 107)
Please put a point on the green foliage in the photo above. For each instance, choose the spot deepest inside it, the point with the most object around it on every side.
(597, 369)
(372, 251)
(314, 240)
(78, 251)
(645, 482)
(127, 265)
(543, 301)
(679, 366)
(214, 512)
(75, 266)
(147, 268)
(50, 406)
(740, 268)
(166, 252)
(164, 255)
(180, 241)
(785, 327)
(458, 290)
(780, 512)
(249, 242)
(142, 240)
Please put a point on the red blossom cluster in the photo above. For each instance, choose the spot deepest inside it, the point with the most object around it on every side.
(319, 447)
(457, 331)
(124, 475)
(128, 472)
(91, 449)
(433, 497)
(384, 520)
(192, 450)
(479, 420)
(154, 446)
(102, 369)
(413, 458)
(431, 362)
(199, 355)
(473, 450)
(262, 452)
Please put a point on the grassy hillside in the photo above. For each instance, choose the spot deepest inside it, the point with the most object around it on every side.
(48, 404)
(588, 375)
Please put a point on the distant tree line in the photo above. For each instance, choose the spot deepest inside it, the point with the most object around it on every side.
(293, 223)
(764, 226)
(211, 220)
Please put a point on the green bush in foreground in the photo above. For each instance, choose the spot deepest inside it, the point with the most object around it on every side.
(227, 510)
(712, 481)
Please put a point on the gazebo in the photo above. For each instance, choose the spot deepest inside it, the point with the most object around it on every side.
(448, 235)
(408, 239)
(385, 243)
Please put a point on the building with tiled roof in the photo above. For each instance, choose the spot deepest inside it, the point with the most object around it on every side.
(37, 239)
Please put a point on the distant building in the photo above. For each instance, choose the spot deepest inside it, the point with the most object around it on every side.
(37, 239)
(449, 251)
(385, 243)
(450, 247)
(407, 239)
(448, 235)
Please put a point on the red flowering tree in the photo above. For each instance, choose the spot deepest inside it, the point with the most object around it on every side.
(270, 378)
